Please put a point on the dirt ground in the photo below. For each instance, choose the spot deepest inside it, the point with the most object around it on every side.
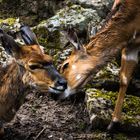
(42, 118)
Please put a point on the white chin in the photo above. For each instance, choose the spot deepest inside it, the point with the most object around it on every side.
(68, 92)
(51, 90)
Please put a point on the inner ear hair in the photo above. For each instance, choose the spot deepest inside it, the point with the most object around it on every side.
(71, 35)
(28, 35)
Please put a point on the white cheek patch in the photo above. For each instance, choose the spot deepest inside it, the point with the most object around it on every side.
(78, 77)
(73, 67)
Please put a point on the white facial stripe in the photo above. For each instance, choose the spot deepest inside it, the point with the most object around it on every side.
(73, 67)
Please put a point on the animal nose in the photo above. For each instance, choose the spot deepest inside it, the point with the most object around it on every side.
(61, 84)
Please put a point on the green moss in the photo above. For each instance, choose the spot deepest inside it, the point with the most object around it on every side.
(42, 22)
(1, 21)
(46, 39)
(94, 93)
(120, 137)
(111, 71)
(49, 40)
(131, 105)
(100, 135)
(9, 21)
(42, 35)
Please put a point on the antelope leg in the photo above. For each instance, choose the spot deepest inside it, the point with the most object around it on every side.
(1, 129)
(116, 3)
(128, 63)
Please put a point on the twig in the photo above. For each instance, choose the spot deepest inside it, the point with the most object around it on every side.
(40, 133)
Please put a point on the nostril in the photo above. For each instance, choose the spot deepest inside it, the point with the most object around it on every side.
(62, 82)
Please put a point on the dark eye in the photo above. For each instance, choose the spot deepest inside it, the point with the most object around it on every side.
(33, 67)
(65, 66)
(47, 64)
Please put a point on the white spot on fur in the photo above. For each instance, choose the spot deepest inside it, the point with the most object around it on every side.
(124, 57)
(115, 119)
(124, 78)
(41, 48)
(73, 67)
(78, 77)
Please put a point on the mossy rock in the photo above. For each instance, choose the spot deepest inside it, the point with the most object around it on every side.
(8, 21)
(100, 105)
(50, 40)
(102, 6)
(42, 35)
(50, 32)
(100, 135)
(75, 16)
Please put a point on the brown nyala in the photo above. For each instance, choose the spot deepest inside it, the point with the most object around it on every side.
(29, 67)
(119, 34)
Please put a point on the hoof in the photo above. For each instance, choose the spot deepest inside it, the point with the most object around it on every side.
(113, 127)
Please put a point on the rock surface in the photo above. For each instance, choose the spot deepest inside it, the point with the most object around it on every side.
(101, 104)
(48, 19)
(75, 16)
(101, 6)
(30, 11)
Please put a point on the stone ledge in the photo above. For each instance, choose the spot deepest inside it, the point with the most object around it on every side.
(100, 105)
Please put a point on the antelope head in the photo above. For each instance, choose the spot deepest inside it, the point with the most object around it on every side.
(77, 67)
(36, 66)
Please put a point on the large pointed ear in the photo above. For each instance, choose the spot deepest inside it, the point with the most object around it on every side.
(73, 38)
(9, 44)
(28, 35)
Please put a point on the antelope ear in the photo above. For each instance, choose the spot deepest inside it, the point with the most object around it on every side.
(28, 35)
(9, 44)
(73, 38)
